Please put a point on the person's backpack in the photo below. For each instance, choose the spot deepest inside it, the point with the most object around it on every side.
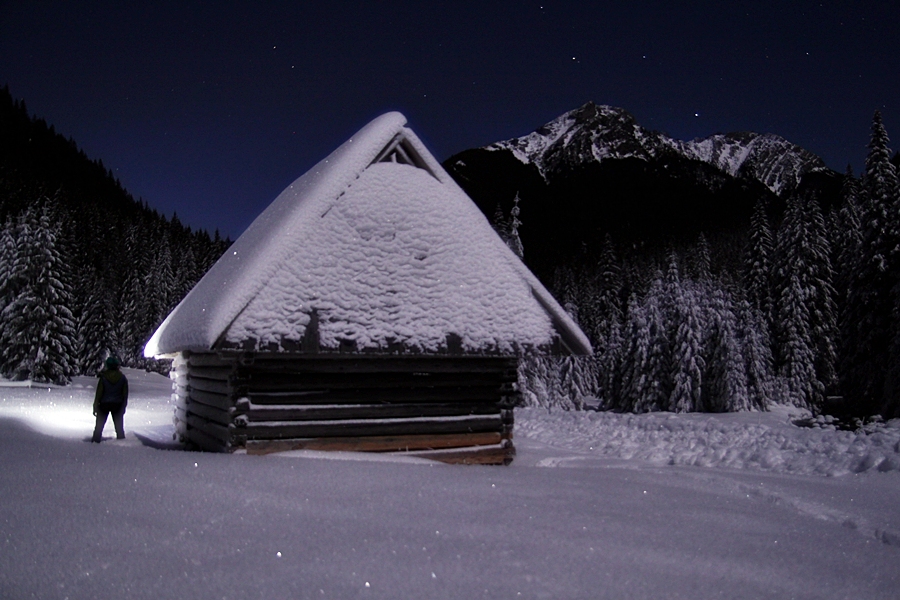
(113, 393)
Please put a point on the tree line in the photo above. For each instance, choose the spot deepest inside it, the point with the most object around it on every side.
(809, 314)
(86, 271)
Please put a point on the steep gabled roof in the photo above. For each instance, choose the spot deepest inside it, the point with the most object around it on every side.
(375, 249)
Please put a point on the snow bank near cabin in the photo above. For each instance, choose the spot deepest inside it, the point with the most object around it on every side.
(766, 441)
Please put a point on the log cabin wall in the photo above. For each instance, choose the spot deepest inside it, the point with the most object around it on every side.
(449, 408)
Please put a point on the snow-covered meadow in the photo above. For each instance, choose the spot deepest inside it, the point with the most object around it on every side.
(596, 505)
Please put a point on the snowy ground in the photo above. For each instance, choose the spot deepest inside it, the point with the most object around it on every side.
(591, 508)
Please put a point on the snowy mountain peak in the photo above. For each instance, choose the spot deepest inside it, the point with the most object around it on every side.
(594, 133)
(768, 158)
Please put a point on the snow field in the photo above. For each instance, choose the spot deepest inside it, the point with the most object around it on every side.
(121, 519)
(765, 441)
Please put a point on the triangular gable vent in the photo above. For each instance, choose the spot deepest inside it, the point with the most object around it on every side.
(399, 150)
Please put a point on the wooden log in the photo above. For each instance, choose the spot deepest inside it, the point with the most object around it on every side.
(210, 385)
(274, 363)
(371, 427)
(213, 430)
(210, 360)
(377, 396)
(218, 373)
(307, 381)
(182, 369)
(500, 454)
(209, 413)
(363, 411)
(205, 442)
(375, 443)
(219, 401)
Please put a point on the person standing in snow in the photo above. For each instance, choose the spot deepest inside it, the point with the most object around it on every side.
(111, 398)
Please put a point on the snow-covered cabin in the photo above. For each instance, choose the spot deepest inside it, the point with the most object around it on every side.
(371, 306)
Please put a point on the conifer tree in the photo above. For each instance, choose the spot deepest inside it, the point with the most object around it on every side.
(687, 359)
(753, 333)
(758, 263)
(40, 328)
(702, 259)
(606, 332)
(515, 242)
(9, 279)
(636, 349)
(97, 334)
(725, 379)
(805, 325)
(870, 328)
(848, 237)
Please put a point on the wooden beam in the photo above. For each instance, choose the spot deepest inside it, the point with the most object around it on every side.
(361, 363)
(210, 385)
(370, 427)
(375, 443)
(206, 442)
(211, 429)
(219, 401)
(305, 381)
(215, 415)
(501, 454)
(376, 396)
(364, 411)
(209, 360)
(220, 373)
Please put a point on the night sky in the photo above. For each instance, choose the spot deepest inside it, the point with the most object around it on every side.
(211, 108)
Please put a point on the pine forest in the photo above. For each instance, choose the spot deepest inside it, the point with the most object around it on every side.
(85, 270)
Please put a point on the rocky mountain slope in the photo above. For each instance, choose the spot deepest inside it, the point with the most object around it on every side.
(598, 133)
(595, 170)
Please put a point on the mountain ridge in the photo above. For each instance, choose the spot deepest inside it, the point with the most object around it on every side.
(594, 171)
(601, 132)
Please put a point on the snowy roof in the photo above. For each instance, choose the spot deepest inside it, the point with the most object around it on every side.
(379, 249)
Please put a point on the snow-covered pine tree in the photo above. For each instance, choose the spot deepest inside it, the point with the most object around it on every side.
(607, 323)
(870, 328)
(514, 241)
(9, 278)
(702, 260)
(577, 379)
(565, 289)
(635, 350)
(653, 382)
(757, 352)
(797, 354)
(823, 308)
(14, 344)
(687, 363)
(758, 263)
(847, 238)
(725, 379)
(133, 322)
(40, 328)
(97, 334)
(805, 324)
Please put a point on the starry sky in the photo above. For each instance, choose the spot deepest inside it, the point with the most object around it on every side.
(211, 108)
